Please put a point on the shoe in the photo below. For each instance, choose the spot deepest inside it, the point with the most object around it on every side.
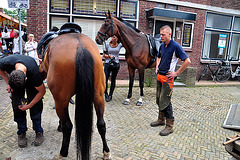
(39, 139)
(109, 98)
(160, 121)
(22, 140)
(71, 101)
(168, 128)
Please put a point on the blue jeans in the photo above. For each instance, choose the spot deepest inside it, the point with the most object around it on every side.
(35, 111)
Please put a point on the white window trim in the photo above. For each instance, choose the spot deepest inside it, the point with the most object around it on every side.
(191, 35)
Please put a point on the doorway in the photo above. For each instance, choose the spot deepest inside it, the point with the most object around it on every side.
(159, 24)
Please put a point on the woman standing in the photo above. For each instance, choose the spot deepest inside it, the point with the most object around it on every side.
(111, 54)
(31, 48)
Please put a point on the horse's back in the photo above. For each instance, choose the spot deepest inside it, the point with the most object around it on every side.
(62, 55)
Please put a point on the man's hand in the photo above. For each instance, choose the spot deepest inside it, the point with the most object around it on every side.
(23, 107)
(171, 75)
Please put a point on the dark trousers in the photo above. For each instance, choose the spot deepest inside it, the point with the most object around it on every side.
(164, 99)
(35, 111)
(113, 78)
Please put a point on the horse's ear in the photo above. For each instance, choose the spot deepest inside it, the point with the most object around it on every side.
(109, 14)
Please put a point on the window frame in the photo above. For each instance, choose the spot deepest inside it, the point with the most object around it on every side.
(69, 6)
(230, 31)
(191, 36)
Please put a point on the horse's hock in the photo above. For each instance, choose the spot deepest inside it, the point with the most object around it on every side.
(188, 77)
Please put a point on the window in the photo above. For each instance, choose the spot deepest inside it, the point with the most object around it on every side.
(235, 47)
(216, 21)
(215, 45)
(58, 21)
(187, 35)
(221, 40)
(128, 9)
(174, 7)
(236, 26)
(89, 14)
(161, 5)
(94, 7)
(61, 6)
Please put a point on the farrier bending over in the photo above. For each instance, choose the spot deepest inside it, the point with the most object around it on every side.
(21, 72)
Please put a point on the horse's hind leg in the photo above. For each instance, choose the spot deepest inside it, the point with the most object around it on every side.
(101, 125)
(66, 126)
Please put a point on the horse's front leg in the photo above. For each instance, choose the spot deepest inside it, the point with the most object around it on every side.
(131, 80)
(141, 85)
(101, 125)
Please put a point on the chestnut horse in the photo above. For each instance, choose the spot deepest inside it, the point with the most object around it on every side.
(137, 50)
(73, 65)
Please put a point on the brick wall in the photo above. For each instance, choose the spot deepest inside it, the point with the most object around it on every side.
(37, 18)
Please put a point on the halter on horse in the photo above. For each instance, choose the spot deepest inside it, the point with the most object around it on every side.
(73, 65)
(137, 50)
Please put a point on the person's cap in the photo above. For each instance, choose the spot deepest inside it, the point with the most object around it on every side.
(31, 35)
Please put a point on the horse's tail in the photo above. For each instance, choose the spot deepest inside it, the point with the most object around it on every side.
(84, 102)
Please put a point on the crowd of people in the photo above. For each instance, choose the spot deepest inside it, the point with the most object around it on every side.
(21, 73)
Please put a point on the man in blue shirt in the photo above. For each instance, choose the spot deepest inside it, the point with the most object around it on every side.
(167, 58)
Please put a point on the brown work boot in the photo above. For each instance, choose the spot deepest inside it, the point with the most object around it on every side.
(168, 128)
(160, 121)
(39, 139)
(22, 140)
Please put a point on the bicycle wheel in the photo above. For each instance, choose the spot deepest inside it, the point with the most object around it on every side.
(223, 74)
(202, 74)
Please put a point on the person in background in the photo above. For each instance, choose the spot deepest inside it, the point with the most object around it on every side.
(31, 48)
(167, 58)
(21, 73)
(111, 52)
(16, 42)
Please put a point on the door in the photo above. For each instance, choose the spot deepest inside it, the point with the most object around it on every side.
(159, 24)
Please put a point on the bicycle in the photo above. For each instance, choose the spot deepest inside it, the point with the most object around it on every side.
(229, 71)
(220, 74)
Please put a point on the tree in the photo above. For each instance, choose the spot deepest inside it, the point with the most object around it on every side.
(14, 13)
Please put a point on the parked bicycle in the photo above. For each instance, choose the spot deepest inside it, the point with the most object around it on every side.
(220, 74)
(229, 71)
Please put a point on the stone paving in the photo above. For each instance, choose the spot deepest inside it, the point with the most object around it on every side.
(199, 113)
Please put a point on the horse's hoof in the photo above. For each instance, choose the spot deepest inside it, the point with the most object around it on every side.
(106, 155)
(126, 103)
(139, 103)
(59, 157)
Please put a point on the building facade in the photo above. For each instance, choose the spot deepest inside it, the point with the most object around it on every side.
(208, 30)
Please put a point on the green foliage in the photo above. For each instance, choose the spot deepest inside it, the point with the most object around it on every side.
(14, 13)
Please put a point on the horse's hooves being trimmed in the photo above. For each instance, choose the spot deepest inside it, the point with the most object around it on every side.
(59, 157)
(139, 103)
(106, 155)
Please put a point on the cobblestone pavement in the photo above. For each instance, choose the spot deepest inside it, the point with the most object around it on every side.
(199, 113)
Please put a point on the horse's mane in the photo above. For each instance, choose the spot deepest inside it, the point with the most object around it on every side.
(128, 24)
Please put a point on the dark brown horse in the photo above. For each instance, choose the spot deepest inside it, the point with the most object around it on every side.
(137, 49)
(73, 65)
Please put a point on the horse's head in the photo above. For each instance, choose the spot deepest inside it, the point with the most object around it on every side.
(108, 29)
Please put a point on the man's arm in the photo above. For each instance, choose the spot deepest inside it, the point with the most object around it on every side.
(186, 62)
(157, 64)
(41, 91)
(4, 76)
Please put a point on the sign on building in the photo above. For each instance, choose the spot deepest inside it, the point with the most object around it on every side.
(21, 4)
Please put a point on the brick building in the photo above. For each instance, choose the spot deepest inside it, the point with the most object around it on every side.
(208, 30)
